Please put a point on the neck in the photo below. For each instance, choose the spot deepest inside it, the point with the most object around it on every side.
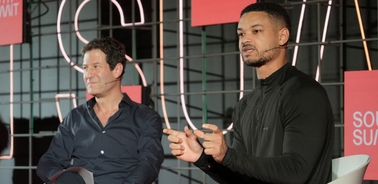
(270, 67)
(109, 102)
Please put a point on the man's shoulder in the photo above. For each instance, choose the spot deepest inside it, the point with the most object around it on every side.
(80, 108)
(301, 87)
(298, 81)
(143, 110)
(77, 111)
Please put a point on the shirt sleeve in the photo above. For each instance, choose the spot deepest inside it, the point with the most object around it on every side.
(58, 155)
(151, 154)
(306, 116)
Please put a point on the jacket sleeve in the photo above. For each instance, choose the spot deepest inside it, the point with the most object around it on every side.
(151, 154)
(219, 172)
(305, 119)
(58, 155)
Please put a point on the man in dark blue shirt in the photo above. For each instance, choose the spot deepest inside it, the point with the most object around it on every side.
(116, 139)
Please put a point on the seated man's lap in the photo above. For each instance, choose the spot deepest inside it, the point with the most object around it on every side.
(70, 178)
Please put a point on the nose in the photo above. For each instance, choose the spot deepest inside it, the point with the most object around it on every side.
(244, 40)
(88, 73)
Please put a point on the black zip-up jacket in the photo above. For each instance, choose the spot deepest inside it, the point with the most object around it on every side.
(283, 133)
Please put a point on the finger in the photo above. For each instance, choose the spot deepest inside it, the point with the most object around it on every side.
(189, 133)
(174, 139)
(207, 144)
(177, 153)
(208, 151)
(214, 128)
(177, 147)
(170, 131)
(212, 137)
(199, 133)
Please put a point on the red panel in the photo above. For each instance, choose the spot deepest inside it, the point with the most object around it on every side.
(210, 12)
(361, 117)
(11, 13)
(134, 92)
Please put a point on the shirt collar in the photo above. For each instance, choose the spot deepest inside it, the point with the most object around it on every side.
(274, 76)
(126, 100)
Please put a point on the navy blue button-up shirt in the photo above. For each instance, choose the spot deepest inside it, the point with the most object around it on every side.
(127, 150)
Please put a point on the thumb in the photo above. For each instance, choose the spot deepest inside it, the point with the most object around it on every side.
(199, 133)
(189, 133)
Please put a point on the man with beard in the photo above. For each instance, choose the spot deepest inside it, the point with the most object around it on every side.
(283, 129)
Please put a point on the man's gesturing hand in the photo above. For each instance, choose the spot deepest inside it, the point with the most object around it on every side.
(184, 145)
(214, 143)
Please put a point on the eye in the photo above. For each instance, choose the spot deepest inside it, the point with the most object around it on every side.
(240, 34)
(256, 31)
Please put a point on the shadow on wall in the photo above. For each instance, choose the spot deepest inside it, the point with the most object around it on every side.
(39, 146)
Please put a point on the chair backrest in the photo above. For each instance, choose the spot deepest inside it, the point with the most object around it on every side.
(349, 169)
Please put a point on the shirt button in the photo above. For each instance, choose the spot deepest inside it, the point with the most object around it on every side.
(103, 131)
(102, 151)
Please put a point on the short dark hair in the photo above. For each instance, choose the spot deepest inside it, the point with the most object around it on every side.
(114, 50)
(274, 11)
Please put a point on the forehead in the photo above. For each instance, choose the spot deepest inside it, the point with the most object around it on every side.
(94, 56)
(254, 18)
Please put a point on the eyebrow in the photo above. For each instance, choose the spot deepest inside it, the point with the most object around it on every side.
(253, 26)
(95, 63)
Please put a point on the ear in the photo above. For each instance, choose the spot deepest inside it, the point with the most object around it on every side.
(284, 36)
(117, 71)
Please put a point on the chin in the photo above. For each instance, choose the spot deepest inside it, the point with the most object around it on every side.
(258, 63)
(92, 93)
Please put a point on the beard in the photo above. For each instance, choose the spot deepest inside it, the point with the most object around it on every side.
(259, 61)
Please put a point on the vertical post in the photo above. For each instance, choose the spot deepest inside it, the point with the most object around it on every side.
(204, 77)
